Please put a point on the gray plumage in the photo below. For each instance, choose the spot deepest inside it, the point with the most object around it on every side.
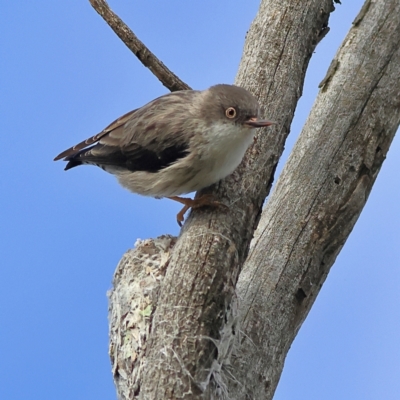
(178, 143)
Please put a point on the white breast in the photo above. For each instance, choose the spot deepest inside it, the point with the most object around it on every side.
(224, 151)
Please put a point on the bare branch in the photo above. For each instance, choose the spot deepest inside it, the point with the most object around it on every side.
(195, 300)
(194, 319)
(146, 57)
(319, 196)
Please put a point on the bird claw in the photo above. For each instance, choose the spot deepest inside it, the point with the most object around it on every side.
(180, 217)
(205, 200)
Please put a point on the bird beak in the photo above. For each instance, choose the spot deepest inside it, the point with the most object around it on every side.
(258, 123)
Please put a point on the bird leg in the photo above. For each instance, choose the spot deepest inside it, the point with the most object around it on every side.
(204, 200)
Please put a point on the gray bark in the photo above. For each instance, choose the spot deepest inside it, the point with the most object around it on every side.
(177, 329)
(319, 196)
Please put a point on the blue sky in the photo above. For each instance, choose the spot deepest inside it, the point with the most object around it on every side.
(64, 77)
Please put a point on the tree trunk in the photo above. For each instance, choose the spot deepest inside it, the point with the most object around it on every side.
(319, 196)
(177, 329)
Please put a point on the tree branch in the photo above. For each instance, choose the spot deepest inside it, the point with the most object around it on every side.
(179, 343)
(146, 57)
(319, 196)
(195, 297)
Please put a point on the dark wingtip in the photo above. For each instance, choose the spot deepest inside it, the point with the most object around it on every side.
(71, 164)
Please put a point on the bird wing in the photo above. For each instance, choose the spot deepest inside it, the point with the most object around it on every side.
(145, 139)
(118, 123)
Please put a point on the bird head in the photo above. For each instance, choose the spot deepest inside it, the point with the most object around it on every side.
(233, 105)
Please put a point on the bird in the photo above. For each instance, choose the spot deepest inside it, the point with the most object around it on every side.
(176, 144)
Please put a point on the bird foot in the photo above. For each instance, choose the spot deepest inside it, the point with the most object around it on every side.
(202, 201)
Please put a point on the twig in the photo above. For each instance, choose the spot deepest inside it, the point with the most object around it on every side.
(148, 59)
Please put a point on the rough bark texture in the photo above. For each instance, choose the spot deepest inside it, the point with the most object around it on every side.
(195, 299)
(145, 56)
(137, 280)
(318, 196)
(174, 323)
(199, 283)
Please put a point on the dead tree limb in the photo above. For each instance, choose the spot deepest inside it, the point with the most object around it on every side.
(145, 56)
(177, 328)
(194, 301)
(319, 196)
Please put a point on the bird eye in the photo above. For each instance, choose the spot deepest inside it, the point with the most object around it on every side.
(230, 112)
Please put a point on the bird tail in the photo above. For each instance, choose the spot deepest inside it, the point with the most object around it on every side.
(74, 162)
